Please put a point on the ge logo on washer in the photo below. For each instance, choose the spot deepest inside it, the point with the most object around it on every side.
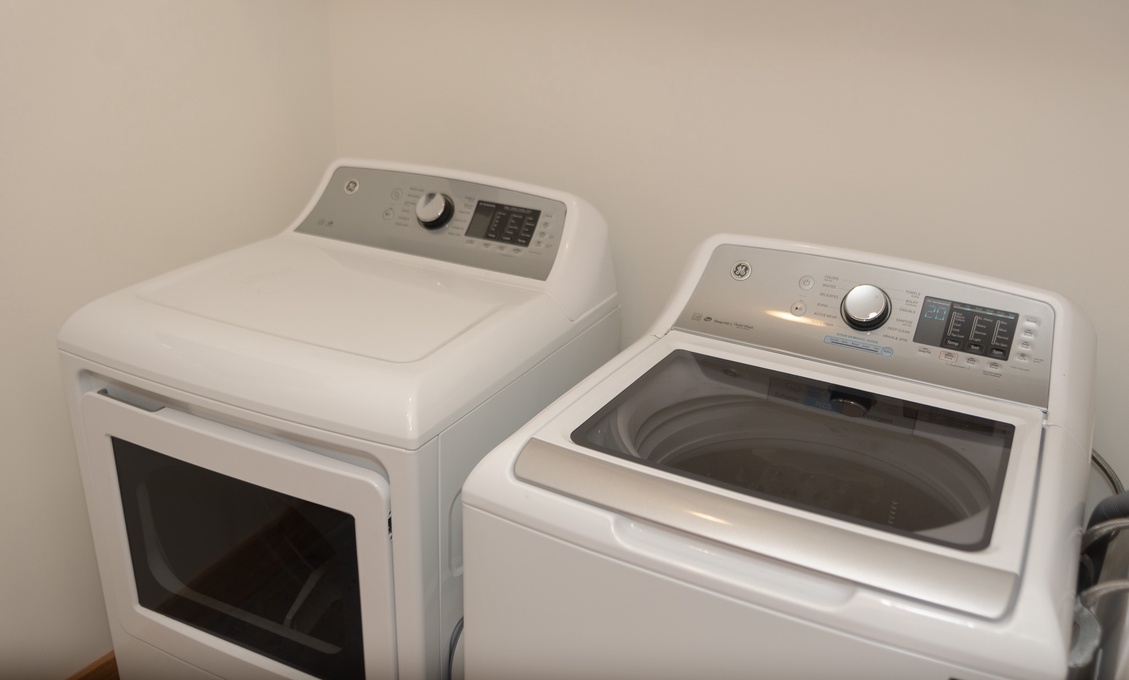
(741, 270)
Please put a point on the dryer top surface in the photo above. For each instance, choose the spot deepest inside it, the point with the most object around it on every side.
(351, 340)
(335, 299)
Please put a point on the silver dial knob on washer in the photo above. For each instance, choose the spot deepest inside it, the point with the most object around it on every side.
(434, 210)
(865, 307)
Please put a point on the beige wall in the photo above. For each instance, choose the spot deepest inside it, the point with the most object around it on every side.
(990, 136)
(139, 135)
(135, 136)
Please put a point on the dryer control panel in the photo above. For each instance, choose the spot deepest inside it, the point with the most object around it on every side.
(933, 329)
(478, 225)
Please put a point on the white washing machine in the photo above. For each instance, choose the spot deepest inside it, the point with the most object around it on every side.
(817, 464)
(273, 441)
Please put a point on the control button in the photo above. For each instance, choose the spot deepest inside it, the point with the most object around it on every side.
(947, 356)
(865, 307)
(807, 283)
(951, 343)
(397, 194)
(799, 308)
(389, 214)
(434, 210)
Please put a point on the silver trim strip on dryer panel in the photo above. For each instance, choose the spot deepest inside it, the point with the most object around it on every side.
(866, 560)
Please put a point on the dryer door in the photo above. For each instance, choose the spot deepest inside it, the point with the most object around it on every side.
(242, 554)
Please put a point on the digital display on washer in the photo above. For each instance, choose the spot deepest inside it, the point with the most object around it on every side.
(503, 223)
(966, 328)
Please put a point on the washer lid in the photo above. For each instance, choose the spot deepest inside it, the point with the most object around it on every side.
(897, 466)
(742, 447)
(334, 298)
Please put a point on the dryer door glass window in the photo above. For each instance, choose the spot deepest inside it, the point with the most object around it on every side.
(895, 465)
(261, 569)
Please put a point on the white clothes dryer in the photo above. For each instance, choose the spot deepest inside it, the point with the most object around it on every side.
(273, 441)
(818, 463)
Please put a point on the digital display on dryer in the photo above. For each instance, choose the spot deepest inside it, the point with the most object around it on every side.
(966, 328)
(503, 223)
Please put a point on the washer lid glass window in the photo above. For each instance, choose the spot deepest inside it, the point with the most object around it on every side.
(895, 465)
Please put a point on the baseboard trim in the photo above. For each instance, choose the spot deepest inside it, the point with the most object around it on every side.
(105, 668)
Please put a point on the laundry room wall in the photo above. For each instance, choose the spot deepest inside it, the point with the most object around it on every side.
(135, 136)
(988, 136)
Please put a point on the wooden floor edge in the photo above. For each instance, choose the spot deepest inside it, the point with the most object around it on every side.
(105, 668)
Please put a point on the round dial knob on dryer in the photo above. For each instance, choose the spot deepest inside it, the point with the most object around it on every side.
(434, 210)
(865, 307)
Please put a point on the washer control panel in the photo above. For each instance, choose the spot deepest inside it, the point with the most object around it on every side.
(445, 219)
(942, 331)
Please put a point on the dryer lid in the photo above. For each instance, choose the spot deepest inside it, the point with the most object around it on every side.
(365, 344)
(331, 298)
